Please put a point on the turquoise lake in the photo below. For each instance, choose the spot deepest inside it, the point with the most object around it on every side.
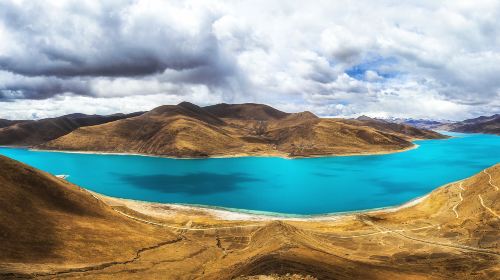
(298, 186)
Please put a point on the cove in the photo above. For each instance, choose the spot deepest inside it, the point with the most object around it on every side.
(299, 186)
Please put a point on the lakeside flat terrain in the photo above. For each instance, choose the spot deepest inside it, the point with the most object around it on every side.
(187, 130)
(54, 229)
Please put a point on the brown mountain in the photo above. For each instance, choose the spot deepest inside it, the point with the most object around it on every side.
(187, 130)
(28, 133)
(5, 123)
(489, 124)
(247, 111)
(51, 229)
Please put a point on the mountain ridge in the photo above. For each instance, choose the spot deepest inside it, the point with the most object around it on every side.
(187, 130)
(483, 124)
(34, 132)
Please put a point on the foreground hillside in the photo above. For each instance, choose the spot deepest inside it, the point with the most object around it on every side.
(45, 220)
(28, 133)
(186, 130)
(53, 229)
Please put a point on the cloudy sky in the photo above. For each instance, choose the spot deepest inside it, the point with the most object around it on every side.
(422, 59)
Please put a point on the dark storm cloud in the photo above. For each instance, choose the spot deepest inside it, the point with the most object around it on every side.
(105, 42)
(75, 50)
(129, 62)
(41, 88)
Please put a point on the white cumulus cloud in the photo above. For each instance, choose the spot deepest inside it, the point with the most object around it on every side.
(429, 59)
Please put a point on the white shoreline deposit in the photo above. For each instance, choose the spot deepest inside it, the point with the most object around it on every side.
(169, 210)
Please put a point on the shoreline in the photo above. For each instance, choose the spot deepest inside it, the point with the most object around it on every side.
(234, 214)
(242, 155)
(164, 210)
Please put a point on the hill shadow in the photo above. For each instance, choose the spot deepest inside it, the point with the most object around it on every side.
(201, 183)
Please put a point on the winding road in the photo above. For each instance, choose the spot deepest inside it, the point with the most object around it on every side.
(488, 208)
(481, 199)
(490, 180)
(450, 245)
(461, 200)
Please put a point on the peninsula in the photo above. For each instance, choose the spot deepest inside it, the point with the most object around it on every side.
(226, 130)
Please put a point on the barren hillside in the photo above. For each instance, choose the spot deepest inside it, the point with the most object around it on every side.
(34, 132)
(186, 130)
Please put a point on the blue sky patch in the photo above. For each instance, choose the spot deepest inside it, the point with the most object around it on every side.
(376, 64)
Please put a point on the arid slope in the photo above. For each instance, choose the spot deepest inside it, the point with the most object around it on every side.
(186, 130)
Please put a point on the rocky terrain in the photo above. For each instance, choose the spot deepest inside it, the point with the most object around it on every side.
(34, 132)
(53, 229)
(187, 130)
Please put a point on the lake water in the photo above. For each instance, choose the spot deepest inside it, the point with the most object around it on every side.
(298, 186)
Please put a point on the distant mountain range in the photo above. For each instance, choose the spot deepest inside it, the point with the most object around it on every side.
(483, 124)
(187, 130)
(420, 123)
